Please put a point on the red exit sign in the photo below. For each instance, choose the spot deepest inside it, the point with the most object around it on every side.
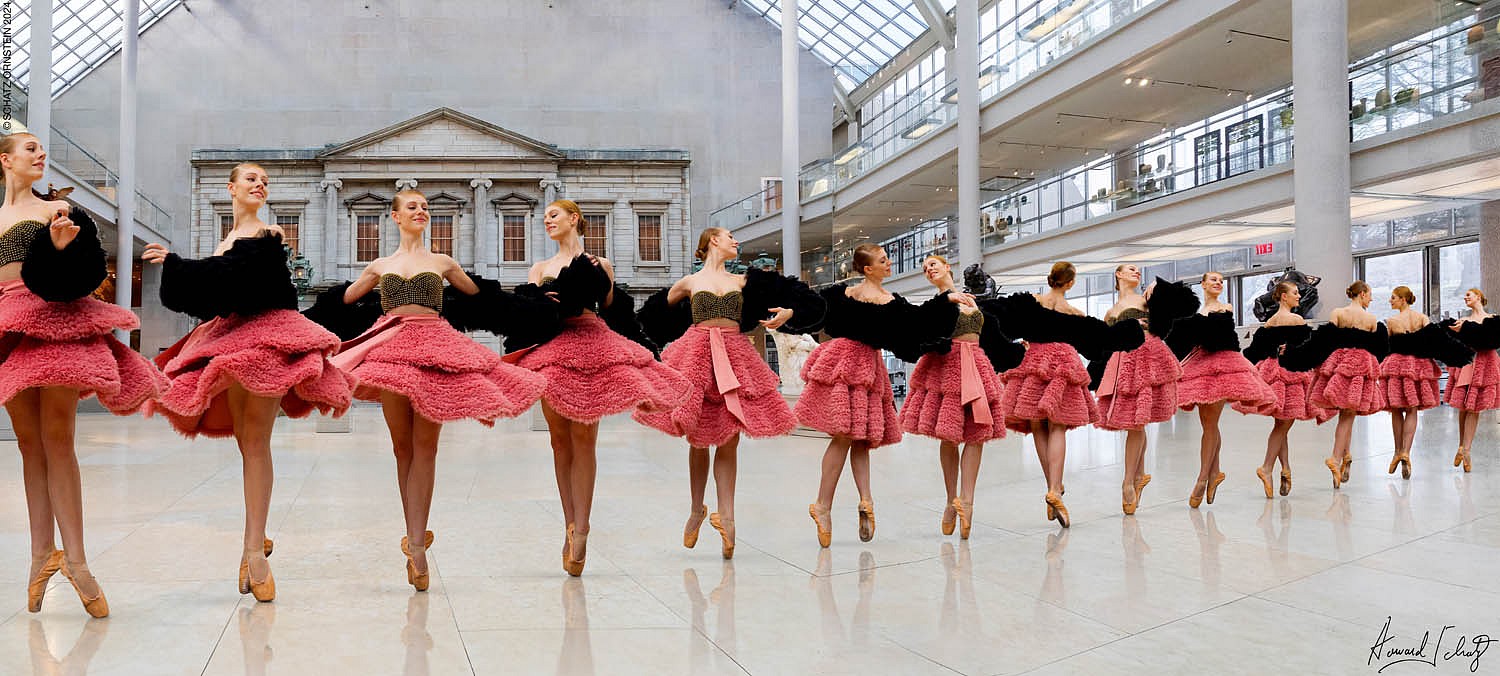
(1264, 249)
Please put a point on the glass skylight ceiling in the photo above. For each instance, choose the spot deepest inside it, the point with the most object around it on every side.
(856, 36)
(85, 34)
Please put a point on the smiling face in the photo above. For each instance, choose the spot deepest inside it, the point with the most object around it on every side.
(1127, 277)
(410, 212)
(1213, 284)
(1472, 300)
(249, 185)
(1397, 303)
(22, 156)
(725, 244)
(559, 221)
(937, 271)
(1292, 299)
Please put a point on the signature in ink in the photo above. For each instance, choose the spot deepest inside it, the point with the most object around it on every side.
(1390, 649)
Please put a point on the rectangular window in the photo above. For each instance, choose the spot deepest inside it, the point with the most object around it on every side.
(226, 223)
(594, 234)
(289, 224)
(440, 233)
(513, 233)
(366, 237)
(648, 233)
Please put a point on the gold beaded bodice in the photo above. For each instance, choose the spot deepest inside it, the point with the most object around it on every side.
(708, 305)
(423, 288)
(17, 240)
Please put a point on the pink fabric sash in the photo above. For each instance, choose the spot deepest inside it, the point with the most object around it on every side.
(1111, 374)
(12, 285)
(724, 377)
(971, 388)
(352, 352)
(1465, 375)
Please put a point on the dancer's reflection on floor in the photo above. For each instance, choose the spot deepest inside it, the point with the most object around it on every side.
(1466, 511)
(576, 656)
(1402, 520)
(1052, 583)
(1275, 524)
(1209, 540)
(415, 636)
(1135, 550)
(832, 621)
(1339, 515)
(700, 652)
(76, 661)
(255, 623)
(960, 607)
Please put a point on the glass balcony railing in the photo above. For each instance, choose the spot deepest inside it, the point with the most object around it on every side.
(751, 207)
(89, 168)
(1408, 85)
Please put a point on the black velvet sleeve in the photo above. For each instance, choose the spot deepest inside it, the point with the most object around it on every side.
(1213, 332)
(68, 274)
(1432, 342)
(1328, 338)
(345, 320)
(932, 329)
(250, 278)
(1169, 302)
(1484, 335)
(1379, 342)
(885, 327)
(581, 285)
(1004, 353)
(1268, 341)
(1013, 314)
(664, 323)
(536, 318)
(1121, 336)
(765, 290)
(619, 315)
(499, 312)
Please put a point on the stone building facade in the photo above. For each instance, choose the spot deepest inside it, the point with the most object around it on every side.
(487, 187)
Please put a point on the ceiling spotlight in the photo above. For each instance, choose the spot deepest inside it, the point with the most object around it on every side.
(1228, 93)
(1129, 80)
(1247, 97)
(1143, 82)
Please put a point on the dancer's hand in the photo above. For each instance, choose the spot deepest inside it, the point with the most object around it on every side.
(782, 315)
(63, 230)
(155, 253)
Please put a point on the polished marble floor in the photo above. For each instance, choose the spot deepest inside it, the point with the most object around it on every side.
(1302, 584)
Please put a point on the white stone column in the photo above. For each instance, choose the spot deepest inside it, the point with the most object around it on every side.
(39, 88)
(328, 265)
(791, 162)
(1489, 240)
(967, 65)
(125, 196)
(1320, 72)
(623, 253)
(484, 243)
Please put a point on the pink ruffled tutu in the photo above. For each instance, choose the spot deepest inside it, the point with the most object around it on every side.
(278, 353)
(847, 393)
(1223, 375)
(1410, 382)
(1481, 388)
(1293, 394)
(446, 376)
(721, 368)
(1049, 384)
(954, 397)
(592, 372)
(1349, 381)
(1144, 389)
(71, 344)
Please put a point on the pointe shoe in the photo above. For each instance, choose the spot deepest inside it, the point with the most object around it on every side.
(267, 547)
(1055, 506)
(950, 516)
(1333, 467)
(577, 542)
(1196, 497)
(1265, 482)
(1468, 467)
(1051, 512)
(427, 538)
(1458, 458)
(1129, 506)
(38, 586)
(1344, 470)
(690, 531)
(419, 580)
(726, 533)
(96, 606)
(566, 537)
(1406, 465)
(1395, 462)
(965, 517)
(1286, 481)
(262, 591)
(866, 521)
(820, 518)
(1213, 487)
(1140, 485)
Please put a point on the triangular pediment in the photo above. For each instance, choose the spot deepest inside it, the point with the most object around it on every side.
(443, 132)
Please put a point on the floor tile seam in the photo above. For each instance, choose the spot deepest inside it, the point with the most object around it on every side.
(453, 615)
(1318, 613)
(691, 625)
(218, 641)
(918, 653)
